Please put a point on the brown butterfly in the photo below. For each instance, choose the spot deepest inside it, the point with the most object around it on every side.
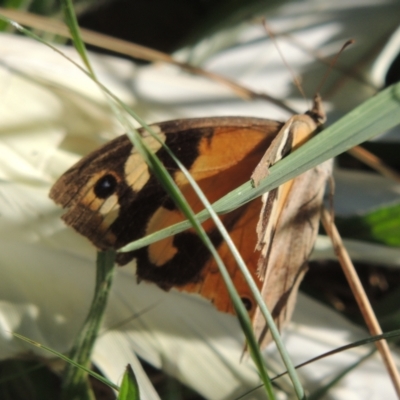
(113, 198)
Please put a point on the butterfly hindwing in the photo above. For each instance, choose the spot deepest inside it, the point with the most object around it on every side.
(289, 220)
(293, 241)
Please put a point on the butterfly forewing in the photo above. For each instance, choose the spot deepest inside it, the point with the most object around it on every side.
(113, 199)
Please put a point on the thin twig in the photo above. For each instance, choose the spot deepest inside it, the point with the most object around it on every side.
(137, 51)
(374, 162)
(360, 296)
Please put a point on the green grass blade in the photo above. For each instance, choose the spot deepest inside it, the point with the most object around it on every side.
(243, 318)
(75, 383)
(129, 389)
(68, 360)
(320, 392)
(394, 334)
(172, 189)
(15, 4)
(373, 117)
(72, 23)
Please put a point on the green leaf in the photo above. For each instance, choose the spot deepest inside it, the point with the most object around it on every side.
(380, 226)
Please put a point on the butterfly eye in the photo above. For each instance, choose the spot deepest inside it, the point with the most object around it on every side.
(105, 186)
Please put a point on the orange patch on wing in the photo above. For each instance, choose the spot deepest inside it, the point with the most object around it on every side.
(211, 285)
(226, 148)
(226, 160)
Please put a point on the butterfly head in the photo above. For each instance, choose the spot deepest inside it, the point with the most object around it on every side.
(317, 112)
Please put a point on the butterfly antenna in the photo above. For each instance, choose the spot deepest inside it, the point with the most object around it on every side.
(333, 63)
(295, 78)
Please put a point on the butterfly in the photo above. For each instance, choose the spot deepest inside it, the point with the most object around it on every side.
(113, 198)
